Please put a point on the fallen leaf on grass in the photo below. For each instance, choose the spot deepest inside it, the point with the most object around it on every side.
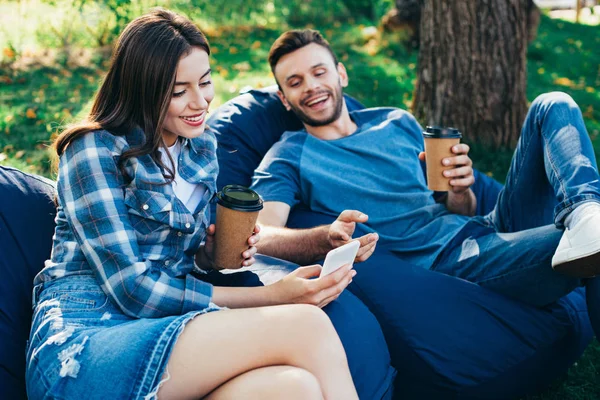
(8, 52)
(19, 154)
(8, 118)
(255, 45)
(564, 82)
(5, 79)
(31, 113)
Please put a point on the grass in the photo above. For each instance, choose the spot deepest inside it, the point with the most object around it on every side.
(51, 64)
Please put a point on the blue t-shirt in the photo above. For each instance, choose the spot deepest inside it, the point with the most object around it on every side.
(375, 170)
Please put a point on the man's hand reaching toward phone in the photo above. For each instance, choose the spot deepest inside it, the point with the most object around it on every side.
(341, 230)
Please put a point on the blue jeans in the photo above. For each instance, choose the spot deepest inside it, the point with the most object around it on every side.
(553, 171)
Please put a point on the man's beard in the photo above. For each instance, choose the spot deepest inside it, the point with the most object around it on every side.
(337, 110)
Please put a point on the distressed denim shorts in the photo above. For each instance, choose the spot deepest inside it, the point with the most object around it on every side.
(82, 346)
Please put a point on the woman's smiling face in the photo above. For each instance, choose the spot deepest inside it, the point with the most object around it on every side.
(192, 94)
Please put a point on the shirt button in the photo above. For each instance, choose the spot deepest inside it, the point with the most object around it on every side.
(179, 234)
(167, 262)
(145, 206)
(187, 225)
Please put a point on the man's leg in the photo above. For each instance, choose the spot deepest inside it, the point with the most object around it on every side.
(515, 264)
(452, 339)
(553, 172)
(359, 331)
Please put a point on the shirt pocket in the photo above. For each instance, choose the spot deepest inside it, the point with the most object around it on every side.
(149, 211)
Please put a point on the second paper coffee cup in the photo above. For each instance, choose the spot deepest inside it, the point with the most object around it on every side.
(438, 145)
(237, 211)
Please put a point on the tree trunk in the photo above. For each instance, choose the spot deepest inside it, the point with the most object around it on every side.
(472, 68)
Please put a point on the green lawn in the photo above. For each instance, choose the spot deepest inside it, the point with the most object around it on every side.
(42, 87)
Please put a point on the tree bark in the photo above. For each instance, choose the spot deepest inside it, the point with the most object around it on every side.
(472, 68)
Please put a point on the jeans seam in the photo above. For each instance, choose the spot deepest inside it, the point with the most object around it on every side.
(507, 222)
(555, 170)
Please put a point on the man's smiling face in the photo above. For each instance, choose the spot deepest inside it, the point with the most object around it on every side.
(311, 84)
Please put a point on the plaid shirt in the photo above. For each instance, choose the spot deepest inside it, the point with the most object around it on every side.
(133, 234)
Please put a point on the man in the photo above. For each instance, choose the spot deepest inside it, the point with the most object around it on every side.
(537, 244)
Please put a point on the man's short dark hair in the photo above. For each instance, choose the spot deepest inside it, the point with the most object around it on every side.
(293, 40)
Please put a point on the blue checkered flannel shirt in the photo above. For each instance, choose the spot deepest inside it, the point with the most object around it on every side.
(133, 234)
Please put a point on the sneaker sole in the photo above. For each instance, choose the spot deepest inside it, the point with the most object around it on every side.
(586, 266)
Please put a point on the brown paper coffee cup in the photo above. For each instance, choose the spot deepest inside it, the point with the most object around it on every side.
(237, 212)
(231, 236)
(438, 145)
(435, 151)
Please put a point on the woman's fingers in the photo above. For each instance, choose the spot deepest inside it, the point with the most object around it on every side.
(333, 292)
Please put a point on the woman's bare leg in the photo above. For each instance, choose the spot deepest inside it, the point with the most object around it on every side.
(267, 383)
(219, 346)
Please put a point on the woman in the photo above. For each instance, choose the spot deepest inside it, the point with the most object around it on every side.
(115, 306)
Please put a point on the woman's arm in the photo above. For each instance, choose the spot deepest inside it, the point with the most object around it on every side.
(295, 288)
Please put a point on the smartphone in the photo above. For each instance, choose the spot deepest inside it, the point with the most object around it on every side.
(340, 256)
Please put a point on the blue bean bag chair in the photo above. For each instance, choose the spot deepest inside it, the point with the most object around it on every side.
(448, 338)
(26, 227)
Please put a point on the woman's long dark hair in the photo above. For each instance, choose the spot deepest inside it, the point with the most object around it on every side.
(138, 87)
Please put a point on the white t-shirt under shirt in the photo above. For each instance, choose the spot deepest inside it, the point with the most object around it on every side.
(190, 194)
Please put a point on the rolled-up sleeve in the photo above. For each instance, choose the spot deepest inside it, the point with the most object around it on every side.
(91, 194)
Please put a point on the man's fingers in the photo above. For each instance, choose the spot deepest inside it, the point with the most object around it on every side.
(460, 171)
(458, 160)
(461, 148)
(363, 249)
(352, 216)
(369, 250)
(340, 235)
(367, 239)
(464, 182)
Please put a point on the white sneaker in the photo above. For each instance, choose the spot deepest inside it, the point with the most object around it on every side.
(578, 252)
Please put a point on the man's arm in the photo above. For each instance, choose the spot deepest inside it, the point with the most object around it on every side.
(464, 203)
(302, 246)
(305, 246)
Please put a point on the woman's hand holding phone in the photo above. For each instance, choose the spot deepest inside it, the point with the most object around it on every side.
(333, 278)
(298, 288)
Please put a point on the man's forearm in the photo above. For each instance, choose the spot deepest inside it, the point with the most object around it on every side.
(302, 246)
(464, 203)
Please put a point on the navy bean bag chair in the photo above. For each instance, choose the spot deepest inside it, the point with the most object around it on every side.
(26, 228)
(448, 338)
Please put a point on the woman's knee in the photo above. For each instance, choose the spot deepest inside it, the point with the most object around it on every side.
(309, 319)
(296, 383)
